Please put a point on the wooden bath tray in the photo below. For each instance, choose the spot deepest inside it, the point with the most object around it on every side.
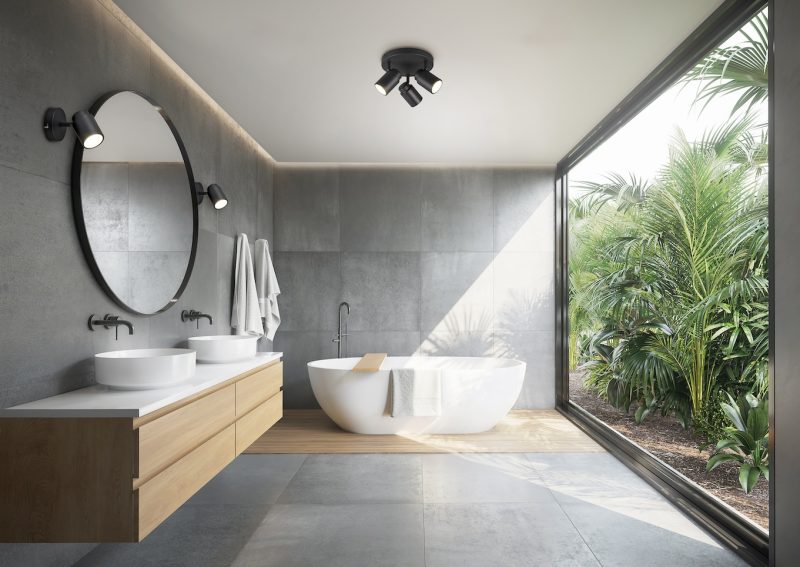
(370, 362)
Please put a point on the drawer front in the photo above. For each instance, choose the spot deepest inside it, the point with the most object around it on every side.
(258, 387)
(171, 436)
(167, 491)
(251, 426)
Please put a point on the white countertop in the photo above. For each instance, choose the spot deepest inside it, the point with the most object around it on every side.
(101, 401)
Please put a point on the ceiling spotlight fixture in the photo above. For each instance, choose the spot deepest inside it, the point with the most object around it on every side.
(83, 122)
(408, 62)
(410, 94)
(389, 81)
(214, 193)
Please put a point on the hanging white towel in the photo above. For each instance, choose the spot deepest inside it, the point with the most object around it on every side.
(267, 288)
(416, 392)
(245, 314)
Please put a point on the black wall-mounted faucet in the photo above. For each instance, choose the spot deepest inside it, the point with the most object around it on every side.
(110, 321)
(194, 315)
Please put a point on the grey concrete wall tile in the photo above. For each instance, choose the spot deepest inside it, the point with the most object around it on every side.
(238, 177)
(266, 197)
(300, 348)
(310, 290)
(160, 214)
(395, 343)
(524, 210)
(524, 293)
(200, 129)
(457, 210)
(537, 350)
(307, 209)
(105, 205)
(457, 291)
(77, 46)
(43, 278)
(457, 343)
(380, 209)
(201, 293)
(383, 290)
(226, 257)
(155, 278)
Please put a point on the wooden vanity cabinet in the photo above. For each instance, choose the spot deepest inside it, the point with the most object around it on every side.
(116, 479)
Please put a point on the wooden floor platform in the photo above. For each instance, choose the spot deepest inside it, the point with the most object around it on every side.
(521, 431)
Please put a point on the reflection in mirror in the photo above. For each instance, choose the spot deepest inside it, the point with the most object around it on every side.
(137, 205)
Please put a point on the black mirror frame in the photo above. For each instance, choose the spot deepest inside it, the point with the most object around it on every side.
(77, 207)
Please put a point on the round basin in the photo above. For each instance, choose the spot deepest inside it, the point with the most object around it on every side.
(144, 368)
(224, 348)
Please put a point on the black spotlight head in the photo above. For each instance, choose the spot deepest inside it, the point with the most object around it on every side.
(410, 94)
(388, 81)
(217, 196)
(88, 131)
(428, 80)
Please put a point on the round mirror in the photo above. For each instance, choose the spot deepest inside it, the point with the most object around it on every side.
(134, 202)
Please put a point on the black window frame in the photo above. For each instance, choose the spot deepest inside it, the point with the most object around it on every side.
(748, 540)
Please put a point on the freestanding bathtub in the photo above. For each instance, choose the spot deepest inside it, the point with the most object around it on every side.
(476, 394)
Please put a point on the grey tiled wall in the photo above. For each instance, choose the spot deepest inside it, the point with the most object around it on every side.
(68, 53)
(434, 261)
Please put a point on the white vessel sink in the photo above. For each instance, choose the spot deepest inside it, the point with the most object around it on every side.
(224, 348)
(144, 368)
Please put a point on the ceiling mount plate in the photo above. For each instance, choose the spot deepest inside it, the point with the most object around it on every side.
(407, 60)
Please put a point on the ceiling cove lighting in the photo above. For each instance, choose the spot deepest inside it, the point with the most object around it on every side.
(83, 123)
(408, 62)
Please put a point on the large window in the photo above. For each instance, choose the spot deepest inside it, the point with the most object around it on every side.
(668, 280)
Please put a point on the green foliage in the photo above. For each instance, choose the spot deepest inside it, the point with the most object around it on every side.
(739, 69)
(746, 440)
(669, 293)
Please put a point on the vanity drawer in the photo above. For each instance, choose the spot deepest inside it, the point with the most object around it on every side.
(171, 436)
(259, 386)
(251, 426)
(167, 491)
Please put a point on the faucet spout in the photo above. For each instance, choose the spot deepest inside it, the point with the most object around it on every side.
(195, 315)
(110, 321)
(341, 335)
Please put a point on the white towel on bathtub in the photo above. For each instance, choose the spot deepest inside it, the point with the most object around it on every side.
(416, 392)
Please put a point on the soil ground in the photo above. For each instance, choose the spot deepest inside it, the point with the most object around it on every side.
(679, 448)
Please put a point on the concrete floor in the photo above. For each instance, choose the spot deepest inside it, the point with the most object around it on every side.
(477, 509)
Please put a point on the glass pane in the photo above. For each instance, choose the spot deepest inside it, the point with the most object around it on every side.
(668, 276)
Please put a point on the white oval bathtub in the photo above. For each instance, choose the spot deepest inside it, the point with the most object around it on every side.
(476, 394)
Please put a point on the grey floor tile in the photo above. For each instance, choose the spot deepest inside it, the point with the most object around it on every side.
(351, 479)
(620, 536)
(481, 477)
(212, 527)
(510, 534)
(347, 535)
(250, 480)
(597, 478)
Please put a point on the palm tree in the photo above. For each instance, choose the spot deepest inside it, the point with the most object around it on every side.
(684, 250)
(740, 68)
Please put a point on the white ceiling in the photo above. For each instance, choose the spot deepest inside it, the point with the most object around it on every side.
(524, 80)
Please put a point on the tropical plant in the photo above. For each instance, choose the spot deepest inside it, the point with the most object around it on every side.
(739, 69)
(677, 291)
(746, 441)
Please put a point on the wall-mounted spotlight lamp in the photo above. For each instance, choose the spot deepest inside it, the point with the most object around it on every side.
(408, 62)
(214, 193)
(83, 123)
